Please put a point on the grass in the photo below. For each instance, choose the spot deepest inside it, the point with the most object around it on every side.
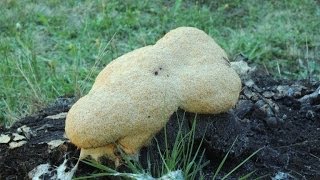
(185, 157)
(181, 156)
(56, 48)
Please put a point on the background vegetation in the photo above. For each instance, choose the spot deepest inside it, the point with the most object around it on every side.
(55, 48)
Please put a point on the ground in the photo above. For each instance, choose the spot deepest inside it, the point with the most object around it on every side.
(52, 48)
(279, 116)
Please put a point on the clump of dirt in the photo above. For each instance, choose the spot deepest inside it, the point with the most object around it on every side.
(280, 116)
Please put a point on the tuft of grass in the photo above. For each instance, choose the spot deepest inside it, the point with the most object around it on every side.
(48, 48)
(184, 157)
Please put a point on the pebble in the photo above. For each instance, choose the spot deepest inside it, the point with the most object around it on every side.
(4, 139)
(259, 103)
(272, 122)
(14, 145)
(26, 131)
(310, 114)
(18, 137)
(249, 83)
(268, 94)
(55, 143)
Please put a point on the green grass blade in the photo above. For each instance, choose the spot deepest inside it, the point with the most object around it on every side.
(223, 160)
(262, 177)
(247, 175)
(99, 166)
(234, 169)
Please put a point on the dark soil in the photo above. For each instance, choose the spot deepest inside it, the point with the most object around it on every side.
(281, 116)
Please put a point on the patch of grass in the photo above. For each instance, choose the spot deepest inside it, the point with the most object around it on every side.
(48, 48)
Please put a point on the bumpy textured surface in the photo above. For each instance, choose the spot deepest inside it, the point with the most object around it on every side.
(134, 96)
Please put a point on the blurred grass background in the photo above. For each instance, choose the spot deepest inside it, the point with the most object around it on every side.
(56, 48)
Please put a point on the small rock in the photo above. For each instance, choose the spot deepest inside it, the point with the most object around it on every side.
(14, 145)
(4, 138)
(18, 137)
(55, 143)
(259, 103)
(268, 94)
(310, 114)
(249, 83)
(23, 128)
(242, 68)
(272, 122)
(26, 131)
(284, 117)
(290, 92)
(280, 176)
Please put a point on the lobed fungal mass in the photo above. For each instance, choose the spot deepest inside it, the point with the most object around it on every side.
(134, 96)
